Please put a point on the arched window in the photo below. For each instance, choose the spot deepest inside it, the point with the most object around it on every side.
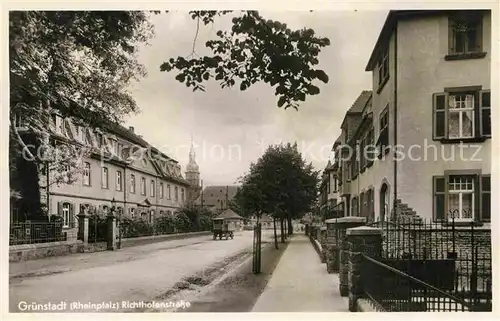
(105, 210)
(169, 213)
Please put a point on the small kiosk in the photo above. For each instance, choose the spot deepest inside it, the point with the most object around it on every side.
(226, 224)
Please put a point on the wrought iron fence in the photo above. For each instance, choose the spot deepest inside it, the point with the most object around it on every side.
(36, 232)
(98, 229)
(453, 256)
(334, 211)
(394, 290)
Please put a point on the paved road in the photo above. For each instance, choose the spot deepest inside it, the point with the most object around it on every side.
(133, 274)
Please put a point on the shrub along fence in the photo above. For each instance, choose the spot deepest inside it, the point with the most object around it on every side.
(180, 223)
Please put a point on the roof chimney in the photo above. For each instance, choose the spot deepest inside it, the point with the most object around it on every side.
(131, 128)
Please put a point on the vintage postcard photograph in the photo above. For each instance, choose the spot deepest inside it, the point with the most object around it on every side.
(171, 160)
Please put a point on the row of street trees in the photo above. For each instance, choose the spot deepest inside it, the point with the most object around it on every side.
(280, 184)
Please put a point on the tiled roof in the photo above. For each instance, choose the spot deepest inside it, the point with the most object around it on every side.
(229, 213)
(360, 103)
(213, 195)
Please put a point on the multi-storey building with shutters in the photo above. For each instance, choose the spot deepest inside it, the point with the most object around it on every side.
(428, 114)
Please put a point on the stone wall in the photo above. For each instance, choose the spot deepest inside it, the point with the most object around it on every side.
(42, 250)
(37, 251)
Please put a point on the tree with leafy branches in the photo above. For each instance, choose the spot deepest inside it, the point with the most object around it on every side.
(75, 64)
(256, 50)
(280, 183)
(80, 64)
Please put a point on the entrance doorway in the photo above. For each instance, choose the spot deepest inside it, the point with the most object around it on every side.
(384, 202)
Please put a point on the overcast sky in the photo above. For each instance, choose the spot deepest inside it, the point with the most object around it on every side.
(232, 128)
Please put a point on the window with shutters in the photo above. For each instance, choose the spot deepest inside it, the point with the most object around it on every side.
(462, 197)
(355, 162)
(486, 198)
(465, 35)
(169, 194)
(66, 214)
(485, 113)
(182, 195)
(119, 182)
(104, 178)
(383, 70)
(132, 183)
(354, 207)
(152, 188)
(370, 152)
(362, 201)
(383, 138)
(362, 150)
(176, 193)
(86, 174)
(161, 190)
(462, 115)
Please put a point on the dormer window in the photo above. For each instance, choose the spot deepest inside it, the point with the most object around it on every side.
(19, 121)
(465, 35)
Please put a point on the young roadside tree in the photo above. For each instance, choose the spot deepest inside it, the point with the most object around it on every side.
(282, 184)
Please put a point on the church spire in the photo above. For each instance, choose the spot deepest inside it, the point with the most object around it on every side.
(192, 154)
(192, 166)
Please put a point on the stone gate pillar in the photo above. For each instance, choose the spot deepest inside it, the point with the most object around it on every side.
(332, 246)
(342, 225)
(83, 226)
(111, 233)
(361, 240)
(322, 241)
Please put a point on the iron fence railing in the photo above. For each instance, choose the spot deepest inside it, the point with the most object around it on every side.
(453, 256)
(36, 232)
(393, 290)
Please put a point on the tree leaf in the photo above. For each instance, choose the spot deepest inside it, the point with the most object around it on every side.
(321, 75)
(281, 101)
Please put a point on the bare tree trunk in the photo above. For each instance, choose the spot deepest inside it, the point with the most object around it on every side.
(282, 230)
(290, 227)
(275, 235)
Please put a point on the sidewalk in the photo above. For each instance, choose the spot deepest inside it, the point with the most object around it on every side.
(300, 283)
